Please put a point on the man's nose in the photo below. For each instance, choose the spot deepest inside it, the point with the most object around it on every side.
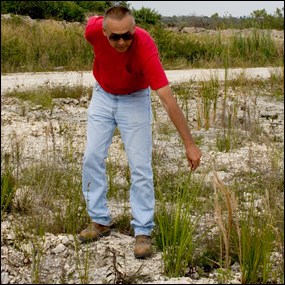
(121, 41)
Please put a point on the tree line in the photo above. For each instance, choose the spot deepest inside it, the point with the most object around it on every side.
(77, 11)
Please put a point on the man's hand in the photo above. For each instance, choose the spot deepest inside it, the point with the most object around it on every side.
(193, 154)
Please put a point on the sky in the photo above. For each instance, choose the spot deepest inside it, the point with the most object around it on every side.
(208, 8)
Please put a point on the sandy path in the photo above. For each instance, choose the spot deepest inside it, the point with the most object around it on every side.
(36, 79)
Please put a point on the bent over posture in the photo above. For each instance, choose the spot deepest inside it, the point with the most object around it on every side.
(126, 65)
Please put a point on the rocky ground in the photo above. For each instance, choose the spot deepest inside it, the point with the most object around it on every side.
(62, 259)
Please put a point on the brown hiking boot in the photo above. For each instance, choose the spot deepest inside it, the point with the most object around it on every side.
(142, 246)
(93, 232)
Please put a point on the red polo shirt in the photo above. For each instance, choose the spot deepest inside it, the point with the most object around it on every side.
(123, 73)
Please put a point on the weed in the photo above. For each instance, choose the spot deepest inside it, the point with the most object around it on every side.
(119, 274)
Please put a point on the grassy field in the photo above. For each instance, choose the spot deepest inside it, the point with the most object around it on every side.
(46, 45)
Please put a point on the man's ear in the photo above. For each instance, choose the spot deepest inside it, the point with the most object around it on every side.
(104, 32)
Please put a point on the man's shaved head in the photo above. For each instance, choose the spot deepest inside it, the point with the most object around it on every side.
(117, 13)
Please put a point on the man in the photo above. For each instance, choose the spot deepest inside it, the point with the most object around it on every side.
(126, 65)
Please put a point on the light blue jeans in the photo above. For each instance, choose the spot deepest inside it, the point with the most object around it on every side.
(132, 114)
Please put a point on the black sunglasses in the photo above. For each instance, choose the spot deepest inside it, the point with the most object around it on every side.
(126, 37)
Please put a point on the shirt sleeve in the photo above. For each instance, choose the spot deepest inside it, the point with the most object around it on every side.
(93, 25)
(152, 66)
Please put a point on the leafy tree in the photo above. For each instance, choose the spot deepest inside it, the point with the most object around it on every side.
(260, 19)
(146, 16)
(99, 6)
(71, 12)
(59, 10)
(94, 6)
(9, 7)
(34, 9)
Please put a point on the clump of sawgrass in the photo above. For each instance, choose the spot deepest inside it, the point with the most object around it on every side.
(207, 103)
(224, 222)
(257, 236)
(184, 92)
(8, 185)
(176, 227)
(250, 234)
(11, 165)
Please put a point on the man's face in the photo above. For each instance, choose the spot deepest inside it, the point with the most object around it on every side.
(119, 33)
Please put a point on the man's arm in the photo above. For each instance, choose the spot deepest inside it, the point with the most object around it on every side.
(193, 153)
